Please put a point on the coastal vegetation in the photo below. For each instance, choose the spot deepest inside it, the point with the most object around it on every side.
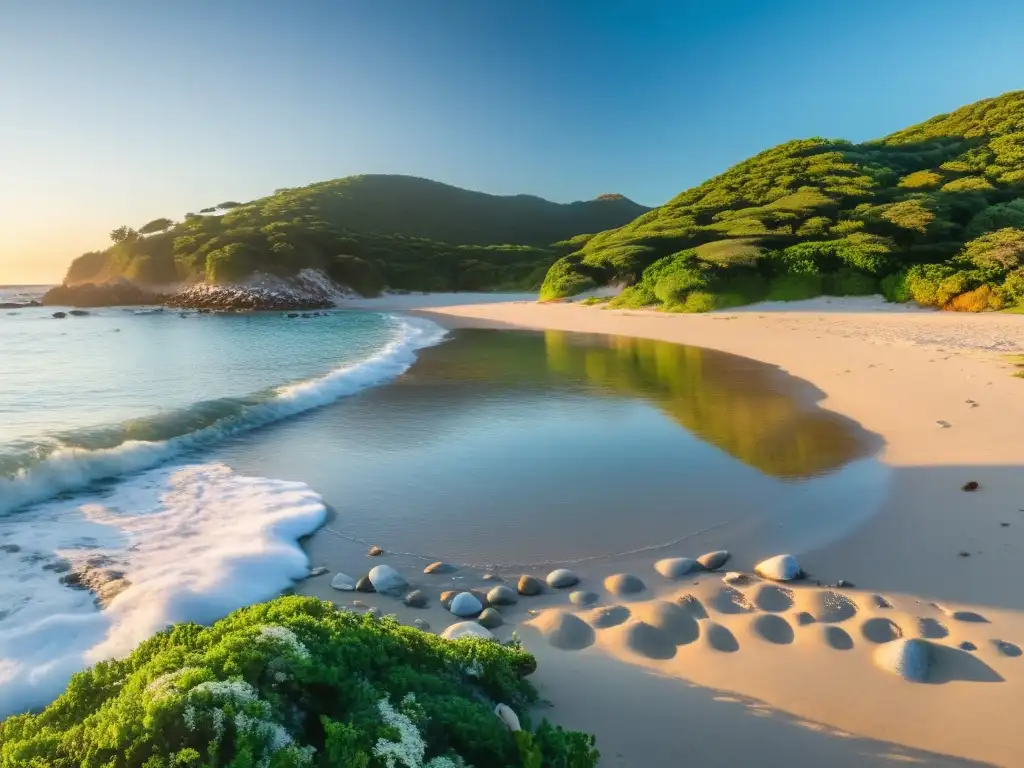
(367, 232)
(295, 682)
(932, 214)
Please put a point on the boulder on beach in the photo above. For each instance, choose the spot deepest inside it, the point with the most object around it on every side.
(583, 598)
(387, 580)
(908, 657)
(562, 578)
(712, 561)
(416, 599)
(344, 582)
(620, 584)
(320, 570)
(502, 595)
(464, 629)
(529, 586)
(466, 605)
(676, 567)
(421, 625)
(490, 618)
(440, 569)
(374, 551)
(779, 568)
(447, 596)
(365, 585)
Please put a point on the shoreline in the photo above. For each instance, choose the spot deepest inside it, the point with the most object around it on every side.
(896, 374)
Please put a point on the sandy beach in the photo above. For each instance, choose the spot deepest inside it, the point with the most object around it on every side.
(672, 670)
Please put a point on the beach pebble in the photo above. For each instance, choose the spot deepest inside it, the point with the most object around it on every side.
(387, 580)
(344, 582)
(440, 569)
(60, 315)
(465, 605)
(910, 658)
(502, 595)
(623, 584)
(583, 598)
(943, 424)
(508, 717)
(318, 571)
(421, 624)
(712, 561)
(675, 567)
(735, 577)
(561, 578)
(374, 551)
(491, 577)
(970, 486)
(447, 596)
(416, 599)
(465, 629)
(365, 585)
(529, 586)
(779, 568)
(490, 618)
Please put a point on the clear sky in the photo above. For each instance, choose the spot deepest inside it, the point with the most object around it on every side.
(120, 111)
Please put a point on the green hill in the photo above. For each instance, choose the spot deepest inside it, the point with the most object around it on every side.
(367, 231)
(933, 213)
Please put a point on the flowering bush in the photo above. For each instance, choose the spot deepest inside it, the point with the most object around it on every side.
(294, 682)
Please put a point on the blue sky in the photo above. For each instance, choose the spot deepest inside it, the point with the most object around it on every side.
(119, 112)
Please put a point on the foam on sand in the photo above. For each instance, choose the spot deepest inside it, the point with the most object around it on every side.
(195, 543)
(68, 469)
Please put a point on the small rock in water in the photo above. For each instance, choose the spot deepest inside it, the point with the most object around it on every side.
(583, 598)
(465, 605)
(416, 599)
(502, 595)
(562, 578)
(465, 629)
(1005, 525)
(844, 584)
(374, 611)
(508, 717)
(529, 585)
(734, 577)
(491, 577)
(365, 585)
(318, 571)
(964, 553)
(374, 551)
(447, 596)
(358, 604)
(421, 624)
(624, 584)
(910, 658)
(675, 567)
(970, 486)
(344, 582)
(490, 618)
(779, 568)
(60, 315)
(78, 313)
(387, 580)
(440, 568)
(712, 561)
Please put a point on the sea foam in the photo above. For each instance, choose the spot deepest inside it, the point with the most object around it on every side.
(195, 542)
(70, 469)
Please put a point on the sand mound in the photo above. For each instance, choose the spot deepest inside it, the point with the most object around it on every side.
(803, 618)
(730, 601)
(677, 624)
(676, 567)
(836, 638)
(932, 629)
(908, 658)
(881, 630)
(583, 598)
(769, 597)
(693, 606)
(564, 630)
(719, 638)
(825, 605)
(620, 584)
(608, 616)
(772, 628)
(641, 638)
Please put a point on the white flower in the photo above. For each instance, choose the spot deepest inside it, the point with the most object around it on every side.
(285, 637)
(409, 749)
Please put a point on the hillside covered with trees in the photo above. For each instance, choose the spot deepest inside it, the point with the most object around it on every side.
(364, 231)
(933, 214)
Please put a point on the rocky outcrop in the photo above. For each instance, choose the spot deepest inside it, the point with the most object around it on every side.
(116, 294)
(100, 575)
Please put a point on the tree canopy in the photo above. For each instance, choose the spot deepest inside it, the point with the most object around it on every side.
(817, 214)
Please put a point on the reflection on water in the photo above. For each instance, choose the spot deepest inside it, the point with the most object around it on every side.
(518, 447)
(750, 410)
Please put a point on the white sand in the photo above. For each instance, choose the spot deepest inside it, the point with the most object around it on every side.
(809, 693)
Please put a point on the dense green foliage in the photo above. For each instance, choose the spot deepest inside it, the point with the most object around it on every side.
(289, 683)
(395, 231)
(910, 212)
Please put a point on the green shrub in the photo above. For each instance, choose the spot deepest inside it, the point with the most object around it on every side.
(1013, 287)
(894, 288)
(634, 297)
(565, 278)
(794, 287)
(294, 682)
(850, 282)
(673, 287)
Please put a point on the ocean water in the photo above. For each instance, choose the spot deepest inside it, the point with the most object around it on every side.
(190, 454)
